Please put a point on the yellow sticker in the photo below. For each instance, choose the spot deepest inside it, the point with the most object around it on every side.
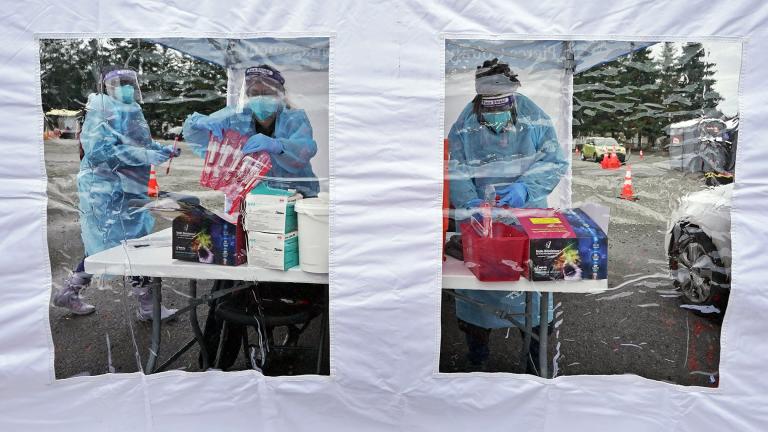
(542, 221)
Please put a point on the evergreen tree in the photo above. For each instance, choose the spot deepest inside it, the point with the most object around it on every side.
(641, 81)
(695, 90)
(668, 82)
(173, 85)
(638, 96)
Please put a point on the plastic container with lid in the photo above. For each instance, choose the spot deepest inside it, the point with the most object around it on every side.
(313, 233)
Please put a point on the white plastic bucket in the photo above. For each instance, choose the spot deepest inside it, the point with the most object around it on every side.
(313, 233)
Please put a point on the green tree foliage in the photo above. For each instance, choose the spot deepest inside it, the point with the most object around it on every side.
(637, 96)
(173, 85)
(696, 83)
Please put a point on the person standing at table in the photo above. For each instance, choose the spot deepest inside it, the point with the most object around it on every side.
(504, 143)
(272, 124)
(117, 151)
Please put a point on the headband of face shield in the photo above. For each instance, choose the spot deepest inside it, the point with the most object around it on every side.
(494, 78)
(262, 93)
(123, 85)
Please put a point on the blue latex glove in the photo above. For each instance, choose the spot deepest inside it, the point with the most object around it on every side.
(158, 157)
(216, 127)
(172, 152)
(261, 142)
(514, 195)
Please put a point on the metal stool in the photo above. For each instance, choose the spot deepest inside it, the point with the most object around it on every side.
(265, 313)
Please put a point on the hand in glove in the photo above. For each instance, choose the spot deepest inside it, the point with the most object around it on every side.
(216, 127)
(158, 157)
(514, 195)
(261, 142)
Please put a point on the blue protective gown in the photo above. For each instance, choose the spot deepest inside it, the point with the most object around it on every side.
(528, 153)
(118, 151)
(290, 169)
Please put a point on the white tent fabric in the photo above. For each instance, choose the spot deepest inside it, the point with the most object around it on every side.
(387, 62)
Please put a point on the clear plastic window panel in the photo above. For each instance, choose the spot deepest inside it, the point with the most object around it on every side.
(588, 182)
(181, 175)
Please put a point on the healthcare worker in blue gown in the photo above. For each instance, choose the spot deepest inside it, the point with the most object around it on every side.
(272, 124)
(502, 144)
(117, 152)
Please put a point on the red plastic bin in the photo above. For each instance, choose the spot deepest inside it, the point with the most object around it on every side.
(501, 257)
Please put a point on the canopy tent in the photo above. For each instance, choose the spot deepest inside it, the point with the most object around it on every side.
(578, 56)
(66, 121)
(386, 100)
(63, 113)
(235, 55)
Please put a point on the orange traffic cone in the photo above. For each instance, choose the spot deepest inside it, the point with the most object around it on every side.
(614, 159)
(152, 187)
(604, 162)
(627, 191)
(577, 151)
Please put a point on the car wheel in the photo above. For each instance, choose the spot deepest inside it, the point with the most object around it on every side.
(583, 157)
(596, 159)
(698, 271)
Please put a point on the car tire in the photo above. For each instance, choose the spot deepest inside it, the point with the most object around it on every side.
(596, 159)
(692, 260)
(583, 157)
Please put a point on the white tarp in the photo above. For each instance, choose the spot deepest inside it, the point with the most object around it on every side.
(387, 65)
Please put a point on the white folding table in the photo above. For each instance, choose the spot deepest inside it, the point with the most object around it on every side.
(457, 276)
(151, 256)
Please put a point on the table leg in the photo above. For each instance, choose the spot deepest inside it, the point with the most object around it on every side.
(195, 324)
(157, 301)
(324, 323)
(528, 329)
(543, 330)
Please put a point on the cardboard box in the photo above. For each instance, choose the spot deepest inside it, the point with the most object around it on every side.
(273, 251)
(563, 245)
(203, 236)
(270, 210)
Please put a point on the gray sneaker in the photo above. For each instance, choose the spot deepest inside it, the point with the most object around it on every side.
(143, 314)
(69, 298)
(144, 295)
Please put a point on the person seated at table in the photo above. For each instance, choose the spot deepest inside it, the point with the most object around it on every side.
(503, 140)
(275, 126)
(117, 152)
(272, 124)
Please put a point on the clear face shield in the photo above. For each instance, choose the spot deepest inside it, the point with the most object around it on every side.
(123, 86)
(497, 112)
(262, 93)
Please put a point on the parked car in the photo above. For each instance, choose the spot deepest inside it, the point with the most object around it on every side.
(698, 243)
(596, 148)
(173, 133)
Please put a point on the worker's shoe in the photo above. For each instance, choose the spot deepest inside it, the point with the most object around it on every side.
(69, 298)
(143, 291)
(145, 314)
